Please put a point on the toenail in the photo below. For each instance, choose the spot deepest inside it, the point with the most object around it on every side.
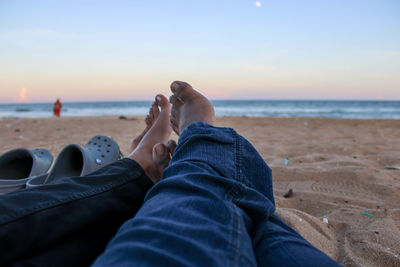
(174, 85)
(158, 98)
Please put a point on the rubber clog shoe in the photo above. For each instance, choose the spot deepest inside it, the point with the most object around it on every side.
(17, 166)
(75, 160)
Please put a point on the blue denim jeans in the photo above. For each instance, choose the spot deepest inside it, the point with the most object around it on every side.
(214, 206)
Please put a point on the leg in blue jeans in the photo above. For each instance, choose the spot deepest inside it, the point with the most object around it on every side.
(280, 245)
(213, 207)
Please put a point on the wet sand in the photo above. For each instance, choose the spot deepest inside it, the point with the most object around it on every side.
(345, 172)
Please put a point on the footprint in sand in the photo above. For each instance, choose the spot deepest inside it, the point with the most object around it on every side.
(334, 188)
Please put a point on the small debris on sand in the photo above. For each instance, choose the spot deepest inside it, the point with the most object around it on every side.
(286, 161)
(392, 167)
(367, 214)
(288, 193)
(126, 118)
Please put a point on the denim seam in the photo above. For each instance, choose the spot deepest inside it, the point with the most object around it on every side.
(234, 192)
(54, 203)
(238, 159)
(235, 238)
(235, 189)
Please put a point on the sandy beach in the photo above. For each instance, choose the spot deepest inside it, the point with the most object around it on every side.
(344, 173)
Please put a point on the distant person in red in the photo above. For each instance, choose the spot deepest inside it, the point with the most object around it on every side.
(57, 108)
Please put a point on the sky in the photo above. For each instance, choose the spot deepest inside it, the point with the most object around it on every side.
(93, 50)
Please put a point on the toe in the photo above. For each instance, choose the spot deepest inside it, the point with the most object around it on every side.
(175, 112)
(161, 158)
(173, 99)
(174, 125)
(176, 102)
(151, 117)
(163, 102)
(160, 152)
(171, 145)
(181, 90)
(155, 110)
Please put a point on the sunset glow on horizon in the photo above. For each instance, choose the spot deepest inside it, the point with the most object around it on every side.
(22, 96)
(131, 50)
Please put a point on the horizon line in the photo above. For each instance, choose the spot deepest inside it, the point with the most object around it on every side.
(234, 99)
(211, 99)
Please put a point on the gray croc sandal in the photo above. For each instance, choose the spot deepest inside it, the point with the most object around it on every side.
(36, 181)
(17, 166)
(75, 160)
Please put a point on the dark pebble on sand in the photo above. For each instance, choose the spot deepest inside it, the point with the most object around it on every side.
(288, 193)
(17, 130)
(126, 118)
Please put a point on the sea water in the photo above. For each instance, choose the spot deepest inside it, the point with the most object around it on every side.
(250, 108)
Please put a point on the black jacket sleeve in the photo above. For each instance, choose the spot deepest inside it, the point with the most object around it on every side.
(70, 223)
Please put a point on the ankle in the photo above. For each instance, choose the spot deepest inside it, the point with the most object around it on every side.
(144, 159)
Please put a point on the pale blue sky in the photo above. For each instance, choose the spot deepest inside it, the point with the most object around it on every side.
(124, 50)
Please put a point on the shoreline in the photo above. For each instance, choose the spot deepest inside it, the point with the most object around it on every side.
(217, 116)
(352, 109)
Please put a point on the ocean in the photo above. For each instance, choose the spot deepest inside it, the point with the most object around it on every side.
(250, 108)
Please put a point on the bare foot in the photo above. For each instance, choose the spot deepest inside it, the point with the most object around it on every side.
(149, 149)
(153, 114)
(188, 106)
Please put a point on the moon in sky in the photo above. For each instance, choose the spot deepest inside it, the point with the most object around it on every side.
(258, 4)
